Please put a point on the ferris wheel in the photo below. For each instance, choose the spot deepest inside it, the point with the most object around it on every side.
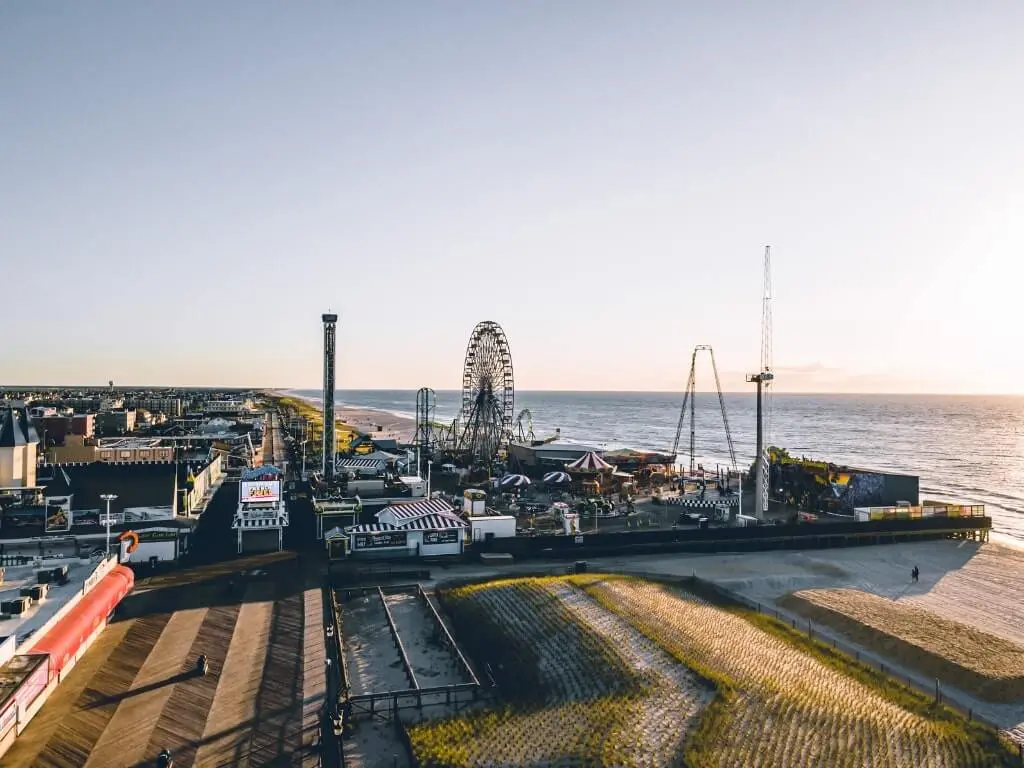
(488, 393)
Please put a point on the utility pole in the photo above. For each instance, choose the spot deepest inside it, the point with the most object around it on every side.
(763, 379)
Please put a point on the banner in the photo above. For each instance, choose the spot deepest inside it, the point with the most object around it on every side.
(261, 492)
(441, 537)
(380, 540)
(87, 517)
(57, 519)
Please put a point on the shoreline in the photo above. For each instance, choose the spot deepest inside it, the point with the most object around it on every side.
(366, 421)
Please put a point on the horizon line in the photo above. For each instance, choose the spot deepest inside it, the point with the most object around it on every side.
(751, 391)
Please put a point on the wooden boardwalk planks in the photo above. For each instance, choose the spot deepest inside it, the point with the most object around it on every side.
(314, 678)
(129, 731)
(82, 728)
(183, 721)
(26, 749)
(279, 703)
(233, 711)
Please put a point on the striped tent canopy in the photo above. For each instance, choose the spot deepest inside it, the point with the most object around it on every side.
(589, 462)
(557, 477)
(514, 481)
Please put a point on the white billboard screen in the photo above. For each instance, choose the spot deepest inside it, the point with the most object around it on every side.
(261, 492)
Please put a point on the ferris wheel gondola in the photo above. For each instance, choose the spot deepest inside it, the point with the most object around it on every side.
(488, 394)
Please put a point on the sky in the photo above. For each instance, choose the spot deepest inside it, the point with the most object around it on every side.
(187, 186)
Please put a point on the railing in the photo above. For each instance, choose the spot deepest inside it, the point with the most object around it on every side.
(446, 635)
(398, 640)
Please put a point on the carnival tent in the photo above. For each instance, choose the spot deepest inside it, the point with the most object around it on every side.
(514, 481)
(556, 478)
(589, 462)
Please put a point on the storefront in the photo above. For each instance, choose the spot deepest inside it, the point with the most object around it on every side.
(425, 529)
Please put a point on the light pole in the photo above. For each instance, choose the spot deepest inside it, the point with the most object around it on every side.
(430, 464)
(108, 497)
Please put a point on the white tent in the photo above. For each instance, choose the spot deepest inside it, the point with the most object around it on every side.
(589, 462)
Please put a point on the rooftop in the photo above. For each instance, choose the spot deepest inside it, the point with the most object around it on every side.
(15, 577)
(16, 427)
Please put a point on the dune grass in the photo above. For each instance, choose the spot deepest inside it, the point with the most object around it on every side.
(779, 698)
(978, 662)
(787, 700)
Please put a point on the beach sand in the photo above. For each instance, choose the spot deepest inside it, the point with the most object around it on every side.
(378, 424)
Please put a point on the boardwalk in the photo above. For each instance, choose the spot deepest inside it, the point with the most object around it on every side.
(136, 692)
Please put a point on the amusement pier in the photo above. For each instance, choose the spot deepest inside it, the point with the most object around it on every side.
(196, 577)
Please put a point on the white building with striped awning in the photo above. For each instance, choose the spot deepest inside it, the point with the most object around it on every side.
(420, 528)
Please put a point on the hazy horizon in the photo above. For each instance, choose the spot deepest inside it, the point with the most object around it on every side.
(188, 186)
(750, 391)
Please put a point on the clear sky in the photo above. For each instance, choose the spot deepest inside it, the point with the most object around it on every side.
(186, 186)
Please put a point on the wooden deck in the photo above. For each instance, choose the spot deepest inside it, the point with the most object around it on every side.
(135, 692)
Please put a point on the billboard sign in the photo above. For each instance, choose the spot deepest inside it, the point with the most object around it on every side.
(450, 536)
(380, 540)
(261, 491)
(58, 519)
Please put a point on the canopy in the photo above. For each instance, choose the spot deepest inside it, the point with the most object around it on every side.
(589, 462)
(557, 477)
(514, 481)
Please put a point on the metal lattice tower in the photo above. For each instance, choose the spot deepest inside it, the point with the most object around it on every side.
(690, 398)
(426, 404)
(330, 439)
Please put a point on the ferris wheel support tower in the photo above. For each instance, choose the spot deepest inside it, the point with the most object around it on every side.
(763, 379)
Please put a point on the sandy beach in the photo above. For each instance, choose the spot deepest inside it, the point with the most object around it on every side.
(378, 424)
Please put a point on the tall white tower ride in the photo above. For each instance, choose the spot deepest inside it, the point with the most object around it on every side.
(764, 378)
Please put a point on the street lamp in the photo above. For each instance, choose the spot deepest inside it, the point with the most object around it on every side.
(108, 497)
(430, 464)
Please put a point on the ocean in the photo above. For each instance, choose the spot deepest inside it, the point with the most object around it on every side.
(964, 448)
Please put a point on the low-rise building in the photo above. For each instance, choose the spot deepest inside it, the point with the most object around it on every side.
(129, 450)
(19, 442)
(424, 528)
(115, 422)
(172, 407)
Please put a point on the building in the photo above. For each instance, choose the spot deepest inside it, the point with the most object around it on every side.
(115, 422)
(54, 428)
(70, 513)
(262, 514)
(19, 442)
(425, 528)
(125, 450)
(172, 407)
(547, 456)
(229, 407)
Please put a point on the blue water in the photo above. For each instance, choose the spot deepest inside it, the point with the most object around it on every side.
(964, 448)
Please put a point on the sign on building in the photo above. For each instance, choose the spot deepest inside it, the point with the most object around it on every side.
(261, 492)
(57, 519)
(450, 536)
(380, 540)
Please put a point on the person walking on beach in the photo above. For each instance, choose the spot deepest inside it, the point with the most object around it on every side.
(914, 574)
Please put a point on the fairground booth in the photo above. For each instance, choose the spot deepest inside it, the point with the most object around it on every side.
(425, 528)
(261, 516)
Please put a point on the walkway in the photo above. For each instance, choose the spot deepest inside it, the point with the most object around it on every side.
(135, 691)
